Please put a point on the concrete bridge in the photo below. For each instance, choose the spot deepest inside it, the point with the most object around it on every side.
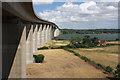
(22, 33)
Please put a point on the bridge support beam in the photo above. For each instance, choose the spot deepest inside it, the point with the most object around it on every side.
(18, 69)
(47, 33)
(29, 46)
(56, 32)
(35, 39)
(41, 28)
(52, 32)
(44, 28)
(39, 38)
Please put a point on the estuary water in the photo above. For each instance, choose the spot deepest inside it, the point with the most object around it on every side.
(100, 36)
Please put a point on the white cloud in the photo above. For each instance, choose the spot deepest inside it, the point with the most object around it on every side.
(111, 7)
(109, 0)
(41, 2)
(85, 12)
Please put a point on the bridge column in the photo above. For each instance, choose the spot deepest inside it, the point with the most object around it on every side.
(18, 69)
(29, 46)
(44, 33)
(35, 39)
(56, 32)
(39, 39)
(50, 32)
(41, 28)
(23, 54)
(47, 33)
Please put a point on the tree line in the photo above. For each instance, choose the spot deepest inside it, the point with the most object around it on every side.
(86, 42)
(90, 31)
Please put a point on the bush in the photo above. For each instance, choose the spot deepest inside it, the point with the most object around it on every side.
(118, 67)
(109, 69)
(43, 48)
(70, 50)
(87, 42)
(117, 39)
(92, 62)
(85, 58)
(117, 71)
(39, 58)
(82, 57)
(34, 56)
(77, 54)
(75, 42)
(101, 66)
(86, 46)
(71, 46)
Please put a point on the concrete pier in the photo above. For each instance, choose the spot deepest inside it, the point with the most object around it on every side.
(35, 39)
(45, 30)
(43, 34)
(39, 33)
(50, 33)
(56, 32)
(41, 27)
(29, 46)
(47, 33)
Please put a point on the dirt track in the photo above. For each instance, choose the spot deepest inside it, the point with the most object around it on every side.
(59, 63)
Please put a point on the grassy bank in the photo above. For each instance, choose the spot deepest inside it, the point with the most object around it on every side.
(63, 47)
(105, 69)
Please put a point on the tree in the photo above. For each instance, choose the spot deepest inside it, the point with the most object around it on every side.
(76, 42)
(95, 41)
(87, 42)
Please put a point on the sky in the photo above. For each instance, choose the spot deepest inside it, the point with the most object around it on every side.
(95, 14)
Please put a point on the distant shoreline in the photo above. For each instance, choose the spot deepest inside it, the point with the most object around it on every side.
(90, 31)
(101, 36)
(97, 33)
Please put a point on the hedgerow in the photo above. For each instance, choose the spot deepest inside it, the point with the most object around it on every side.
(107, 69)
(117, 71)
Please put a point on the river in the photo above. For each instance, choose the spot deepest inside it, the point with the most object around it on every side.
(100, 36)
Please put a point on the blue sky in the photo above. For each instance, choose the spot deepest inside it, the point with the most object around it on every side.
(79, 15)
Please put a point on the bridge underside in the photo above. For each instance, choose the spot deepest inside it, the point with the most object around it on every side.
(22, 34)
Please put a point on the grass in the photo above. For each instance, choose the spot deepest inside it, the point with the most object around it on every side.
(100, 51)
(68, 41)
(109, 49)
(107, 69)
(62, 47)
(102, 46)
(63, 41)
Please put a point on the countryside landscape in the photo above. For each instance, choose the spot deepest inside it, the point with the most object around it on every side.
(77, 58)
(88, 44)
(60, 39)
